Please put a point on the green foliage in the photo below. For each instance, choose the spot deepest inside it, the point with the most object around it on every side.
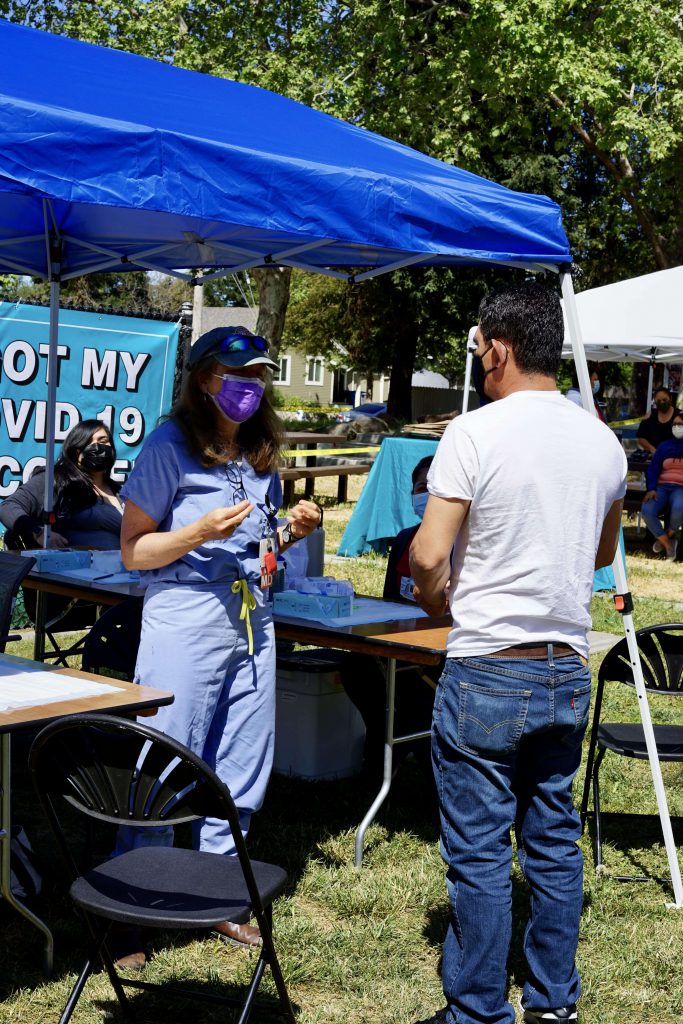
(580, 101)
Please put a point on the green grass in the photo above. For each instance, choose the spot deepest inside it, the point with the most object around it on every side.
(363, 947)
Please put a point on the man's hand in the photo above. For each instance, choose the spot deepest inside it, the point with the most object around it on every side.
(650, 496)
(433, 608)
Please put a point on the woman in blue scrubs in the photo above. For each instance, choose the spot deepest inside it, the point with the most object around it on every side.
(200, 522)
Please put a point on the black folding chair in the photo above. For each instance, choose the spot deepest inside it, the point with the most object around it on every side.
(113, 641)
(661, 654)
(13, 569)
(122, 772)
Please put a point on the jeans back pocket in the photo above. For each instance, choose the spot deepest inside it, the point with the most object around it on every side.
(491, 721)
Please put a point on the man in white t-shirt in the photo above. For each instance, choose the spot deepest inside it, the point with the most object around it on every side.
(527, 493)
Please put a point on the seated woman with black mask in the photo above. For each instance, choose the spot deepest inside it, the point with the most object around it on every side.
(85, 498)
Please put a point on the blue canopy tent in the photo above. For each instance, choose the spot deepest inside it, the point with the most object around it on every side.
(109, 161)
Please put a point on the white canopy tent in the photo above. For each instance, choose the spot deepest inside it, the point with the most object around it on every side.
(635, 321)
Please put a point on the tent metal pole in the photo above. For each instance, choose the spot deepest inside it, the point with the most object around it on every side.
(52, 364)
(650, 384)
(471, 349)
(619, 567)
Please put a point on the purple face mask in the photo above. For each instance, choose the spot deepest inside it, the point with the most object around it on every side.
(239, 397)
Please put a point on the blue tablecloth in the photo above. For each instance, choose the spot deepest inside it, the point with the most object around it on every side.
(385, 506)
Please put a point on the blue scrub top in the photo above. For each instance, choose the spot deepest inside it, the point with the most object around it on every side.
(171, 486)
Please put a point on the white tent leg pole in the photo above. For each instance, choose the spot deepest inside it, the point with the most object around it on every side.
(471, 349)
(51, 426)
(622, 590)
(650, 385)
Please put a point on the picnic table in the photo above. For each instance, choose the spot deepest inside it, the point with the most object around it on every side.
(310, 447)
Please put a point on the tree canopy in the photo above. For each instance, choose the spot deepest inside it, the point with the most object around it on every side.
(581, 100)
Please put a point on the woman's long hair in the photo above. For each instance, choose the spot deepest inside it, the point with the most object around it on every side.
(259, 438)
(73, 486)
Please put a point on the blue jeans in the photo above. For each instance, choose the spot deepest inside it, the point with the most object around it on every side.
(669, 496)
(506, 746)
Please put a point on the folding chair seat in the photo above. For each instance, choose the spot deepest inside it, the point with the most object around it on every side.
(113, 641)
(661, 653)
(123, 772)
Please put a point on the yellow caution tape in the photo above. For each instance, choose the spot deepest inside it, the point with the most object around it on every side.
(248, 605)
(329, 452)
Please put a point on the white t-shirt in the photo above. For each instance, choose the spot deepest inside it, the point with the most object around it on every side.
(541, 476)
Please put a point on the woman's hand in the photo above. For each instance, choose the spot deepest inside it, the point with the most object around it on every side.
(304, 518)
(221, 523)
(143, 546)
(650, 496)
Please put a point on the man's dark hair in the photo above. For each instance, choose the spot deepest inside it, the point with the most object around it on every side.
(529, 318)
(421, 466)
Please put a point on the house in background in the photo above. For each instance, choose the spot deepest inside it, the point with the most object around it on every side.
(315, 379)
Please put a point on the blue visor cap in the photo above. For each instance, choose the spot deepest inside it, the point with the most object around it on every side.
(233, 347)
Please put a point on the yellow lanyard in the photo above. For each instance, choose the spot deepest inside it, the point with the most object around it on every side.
(248, 605)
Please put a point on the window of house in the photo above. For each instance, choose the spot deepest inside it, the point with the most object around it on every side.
(283, 375)
(314, 370)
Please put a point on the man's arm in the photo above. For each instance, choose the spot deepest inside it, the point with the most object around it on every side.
(430, 552)
(609, 538)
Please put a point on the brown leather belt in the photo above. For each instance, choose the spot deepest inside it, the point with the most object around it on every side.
(533, 651)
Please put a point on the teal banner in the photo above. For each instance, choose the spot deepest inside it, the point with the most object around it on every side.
(117, 369)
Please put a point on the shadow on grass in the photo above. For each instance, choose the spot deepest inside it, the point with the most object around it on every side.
(298, 815)
(635, 838)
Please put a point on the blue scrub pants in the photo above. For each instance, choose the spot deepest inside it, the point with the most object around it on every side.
(194, 644)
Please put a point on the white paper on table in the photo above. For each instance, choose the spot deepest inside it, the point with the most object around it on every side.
(27, 688)
(370, 609)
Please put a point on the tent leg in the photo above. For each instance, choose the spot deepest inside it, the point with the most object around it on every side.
(619, 567)
(51, 426)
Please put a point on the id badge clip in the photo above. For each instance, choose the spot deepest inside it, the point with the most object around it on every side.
(267, 560)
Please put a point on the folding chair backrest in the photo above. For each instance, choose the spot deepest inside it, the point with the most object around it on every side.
(13, 569)
(113, 641)
(661, 656)
(125, 773)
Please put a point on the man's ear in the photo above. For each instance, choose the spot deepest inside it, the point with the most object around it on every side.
(500, 352)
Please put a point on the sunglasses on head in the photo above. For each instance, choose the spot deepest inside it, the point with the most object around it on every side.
(242, 343)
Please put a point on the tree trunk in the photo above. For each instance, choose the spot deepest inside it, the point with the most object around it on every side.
(400, 400)
(273, 290)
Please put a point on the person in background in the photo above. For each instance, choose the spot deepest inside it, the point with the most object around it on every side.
(364, 682)
(512, 704)
(86, 500)
(200, 523)
(574, 394)
(665, 491)
(656, 427)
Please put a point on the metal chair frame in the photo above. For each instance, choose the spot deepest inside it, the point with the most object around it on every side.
(123, 772)
(661, 653)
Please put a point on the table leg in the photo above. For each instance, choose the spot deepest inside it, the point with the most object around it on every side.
(5, 839)
(390, 683)
(39, 635)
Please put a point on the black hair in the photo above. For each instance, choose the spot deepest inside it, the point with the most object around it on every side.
(422, 465)
(666, 392)
(529, 318)
(73, 486)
